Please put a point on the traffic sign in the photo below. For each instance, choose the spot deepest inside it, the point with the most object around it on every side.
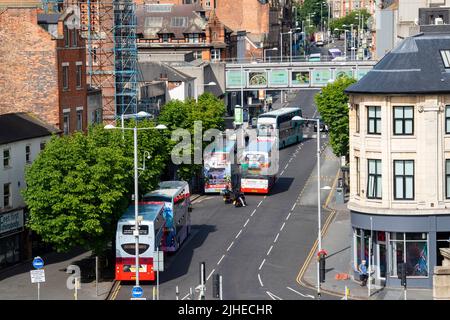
(38, 263)
(137, 292)
(37, 276)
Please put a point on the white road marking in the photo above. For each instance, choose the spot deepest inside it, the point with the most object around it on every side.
(253, 213)
(271, 247)
(246, 222)
(274, 297)
(230, 246)
(262, 263)
(290, 159)
(259, 278)
(282, 226)
(265, 197)
(276, 238)
(303, 295)
(259, 203)
(281, 173)
(288, 216)
(213, 270)
(185, 296)
(293, 207)
(220, 260)
(285, 167)
(239, 233)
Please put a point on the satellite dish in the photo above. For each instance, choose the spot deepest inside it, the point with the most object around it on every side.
(369, 22)
(416, 21)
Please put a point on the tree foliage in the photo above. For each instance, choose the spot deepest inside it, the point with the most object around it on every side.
(306, 10)
(332, 103)
(77, 188)
(351, 18)
(177, 114)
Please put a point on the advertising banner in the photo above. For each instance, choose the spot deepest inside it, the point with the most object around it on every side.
(257, 79)
(321, 76)
(279, 78)
(235, 79)
(300, 78)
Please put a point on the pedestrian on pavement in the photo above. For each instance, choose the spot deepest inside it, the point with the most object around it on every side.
(363, 274)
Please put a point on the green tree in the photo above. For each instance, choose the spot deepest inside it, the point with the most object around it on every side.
(77, 188)
(306, 10)
(351, 18)
(332, 103)
(177, 114)
(152, 143)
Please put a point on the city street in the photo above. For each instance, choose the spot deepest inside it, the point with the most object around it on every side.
(258, 249)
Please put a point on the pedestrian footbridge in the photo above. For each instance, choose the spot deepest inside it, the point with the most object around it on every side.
(291, 75)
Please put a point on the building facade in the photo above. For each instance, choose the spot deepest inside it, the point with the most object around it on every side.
(43, 68)
(163, 27)
(22, 137)
(400, 161)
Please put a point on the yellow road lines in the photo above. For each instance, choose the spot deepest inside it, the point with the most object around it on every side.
(115, 290)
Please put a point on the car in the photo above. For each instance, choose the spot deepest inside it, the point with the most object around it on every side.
(323, 126)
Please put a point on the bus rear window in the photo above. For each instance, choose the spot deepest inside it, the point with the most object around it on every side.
(157, 199)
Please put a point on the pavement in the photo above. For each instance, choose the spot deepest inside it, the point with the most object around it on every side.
(15, 281)
(336, 241)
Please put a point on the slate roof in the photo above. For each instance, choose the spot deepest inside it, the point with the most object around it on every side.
(22, 126)
(150, 23)
(151, 71)
(415, 66)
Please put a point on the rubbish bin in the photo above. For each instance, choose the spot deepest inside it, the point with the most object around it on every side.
(339, 195)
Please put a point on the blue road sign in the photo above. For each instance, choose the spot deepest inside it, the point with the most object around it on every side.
(38, 263)
(137, 292)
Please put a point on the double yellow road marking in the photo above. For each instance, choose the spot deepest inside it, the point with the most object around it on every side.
(115, 291)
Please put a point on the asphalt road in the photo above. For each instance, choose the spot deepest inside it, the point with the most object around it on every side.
(258, 249)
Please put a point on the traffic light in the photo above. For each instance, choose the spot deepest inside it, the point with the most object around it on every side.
(216, 285)
(322, 268)
(402, 273)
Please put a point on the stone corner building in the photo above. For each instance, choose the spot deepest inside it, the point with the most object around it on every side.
(400, 161)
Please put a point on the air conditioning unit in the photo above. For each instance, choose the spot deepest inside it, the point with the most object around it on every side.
(438, 21)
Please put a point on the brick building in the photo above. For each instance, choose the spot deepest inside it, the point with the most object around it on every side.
(182, 27)
(262, 20)
(43, 68)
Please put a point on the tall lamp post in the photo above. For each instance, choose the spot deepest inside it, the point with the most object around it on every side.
(141, 114)
(319, 206)
(265, 50)
(212, 83)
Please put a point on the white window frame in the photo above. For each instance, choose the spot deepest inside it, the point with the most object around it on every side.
(9, 205)
(214, 53)
(9, 158)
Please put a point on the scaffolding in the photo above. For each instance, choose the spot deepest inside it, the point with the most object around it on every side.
(125, 56)
(109, 27)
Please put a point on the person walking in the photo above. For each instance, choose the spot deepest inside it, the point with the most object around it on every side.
(363, 274)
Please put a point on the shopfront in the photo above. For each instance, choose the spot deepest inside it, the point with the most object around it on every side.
(11, 237)
(414, 240)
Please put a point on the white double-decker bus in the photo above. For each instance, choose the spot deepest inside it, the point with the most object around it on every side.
(258, 167)
(151, 229)
(177, 206)
(289, 132)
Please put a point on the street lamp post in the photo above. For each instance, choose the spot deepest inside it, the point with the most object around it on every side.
(212, 83)
(319, 227)
(136, 179)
